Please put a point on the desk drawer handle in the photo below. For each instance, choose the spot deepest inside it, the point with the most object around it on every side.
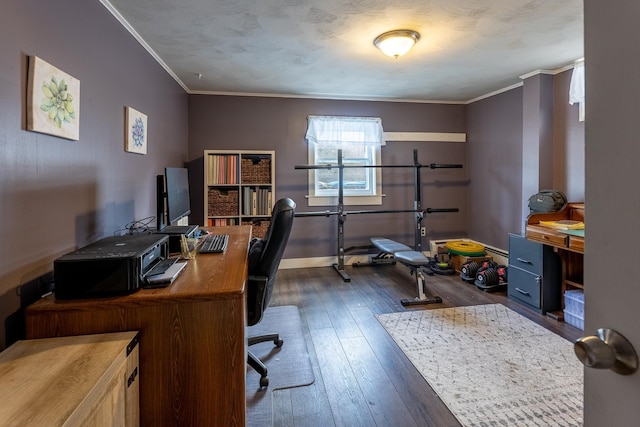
(524, 261)
(523, 292)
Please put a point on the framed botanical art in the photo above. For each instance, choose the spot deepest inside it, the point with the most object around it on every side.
(136, 131)
(53, 100)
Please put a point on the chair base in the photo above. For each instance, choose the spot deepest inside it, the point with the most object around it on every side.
(255, 362)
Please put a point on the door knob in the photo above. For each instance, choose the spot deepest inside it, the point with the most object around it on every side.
(607, 350)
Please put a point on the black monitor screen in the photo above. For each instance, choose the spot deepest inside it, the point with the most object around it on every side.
(177, 188)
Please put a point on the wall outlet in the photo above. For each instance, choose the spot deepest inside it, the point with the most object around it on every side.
(423, 231)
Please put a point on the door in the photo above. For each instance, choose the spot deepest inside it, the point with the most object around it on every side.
(612, 200)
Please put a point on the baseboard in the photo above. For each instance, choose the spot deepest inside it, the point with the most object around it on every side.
(319, 261)
(328, 261)
(499, 255)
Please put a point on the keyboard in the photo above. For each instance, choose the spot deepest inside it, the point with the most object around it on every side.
(161, 266)
(214, 244)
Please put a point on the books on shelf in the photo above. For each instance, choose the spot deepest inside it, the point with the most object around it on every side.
(256, 201)
(222, 169)
(221, 222)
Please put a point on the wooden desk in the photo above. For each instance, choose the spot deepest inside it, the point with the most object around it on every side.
(569, 247)
(192, 337)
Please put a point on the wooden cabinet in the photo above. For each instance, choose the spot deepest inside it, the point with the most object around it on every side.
(86, 380)
(534, 274)
(568, 243)
(239, 188)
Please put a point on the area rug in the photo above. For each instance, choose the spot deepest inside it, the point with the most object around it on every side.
(491, 366)
(289, 366)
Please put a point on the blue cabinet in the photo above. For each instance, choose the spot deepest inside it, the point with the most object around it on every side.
(535, 274)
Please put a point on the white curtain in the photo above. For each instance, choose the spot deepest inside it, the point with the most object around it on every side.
(339, 130)
(576, 88)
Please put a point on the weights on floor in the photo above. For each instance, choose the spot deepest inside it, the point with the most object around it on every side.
(486, 275)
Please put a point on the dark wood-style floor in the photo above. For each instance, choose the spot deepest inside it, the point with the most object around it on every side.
(361, 376)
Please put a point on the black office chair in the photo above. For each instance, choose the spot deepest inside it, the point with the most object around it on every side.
(264, 259)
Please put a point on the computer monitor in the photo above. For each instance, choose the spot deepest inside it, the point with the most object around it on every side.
(172, 196)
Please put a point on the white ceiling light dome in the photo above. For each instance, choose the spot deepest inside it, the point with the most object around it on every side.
(397, 42)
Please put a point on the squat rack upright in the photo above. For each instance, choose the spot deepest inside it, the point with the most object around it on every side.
(342, 214)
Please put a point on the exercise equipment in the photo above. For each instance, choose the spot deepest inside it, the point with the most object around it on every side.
(469, 270)
(492, 278)
(342, 214)
(441, 263)
(391, 250)
(459, 247)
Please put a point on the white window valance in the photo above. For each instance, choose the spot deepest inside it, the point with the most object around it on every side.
(339, 130)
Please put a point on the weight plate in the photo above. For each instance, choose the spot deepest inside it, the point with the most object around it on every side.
(465, 248)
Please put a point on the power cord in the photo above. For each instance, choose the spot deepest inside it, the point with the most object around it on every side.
(140, 226)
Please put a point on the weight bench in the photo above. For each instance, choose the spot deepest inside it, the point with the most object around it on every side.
(392, 251)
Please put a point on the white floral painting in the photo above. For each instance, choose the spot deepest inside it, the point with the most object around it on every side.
(53, 100)
(136, 130)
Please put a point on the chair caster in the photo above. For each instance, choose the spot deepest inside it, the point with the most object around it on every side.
(279, 343)
(264, 382)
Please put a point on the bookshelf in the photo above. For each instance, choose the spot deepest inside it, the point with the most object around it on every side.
(239, 188)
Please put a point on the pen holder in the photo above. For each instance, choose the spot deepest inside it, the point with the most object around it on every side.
(188, 247)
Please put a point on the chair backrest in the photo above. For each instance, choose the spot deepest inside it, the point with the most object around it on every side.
(262, 273)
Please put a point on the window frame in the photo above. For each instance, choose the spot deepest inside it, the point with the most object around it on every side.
(349, 197)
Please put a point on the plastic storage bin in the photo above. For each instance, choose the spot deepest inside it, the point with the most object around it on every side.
(574, 308)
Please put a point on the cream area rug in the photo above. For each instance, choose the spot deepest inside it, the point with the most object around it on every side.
(491, 366)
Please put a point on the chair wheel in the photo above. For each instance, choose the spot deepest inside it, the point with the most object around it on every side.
(264, 382)
(278, 343)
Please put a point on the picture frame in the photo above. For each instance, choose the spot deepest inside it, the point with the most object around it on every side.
(53, 100)
(136, 131)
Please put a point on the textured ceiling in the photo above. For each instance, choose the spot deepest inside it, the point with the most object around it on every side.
(324, 48)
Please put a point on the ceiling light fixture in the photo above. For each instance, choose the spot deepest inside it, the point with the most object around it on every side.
(397, 42)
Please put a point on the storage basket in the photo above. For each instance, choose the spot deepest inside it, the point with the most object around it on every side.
(256, 171)
(223, 202)
(259, 228)
(574, 308)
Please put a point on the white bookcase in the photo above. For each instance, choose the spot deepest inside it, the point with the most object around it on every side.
(239, 188)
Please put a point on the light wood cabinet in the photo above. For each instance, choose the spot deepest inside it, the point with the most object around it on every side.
(86, 380)
(239, 188)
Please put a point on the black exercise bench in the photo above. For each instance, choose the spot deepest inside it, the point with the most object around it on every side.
(392, 251)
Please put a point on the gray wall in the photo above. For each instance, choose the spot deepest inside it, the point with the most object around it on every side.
(57, 194)
(252, 123)
(494, 129)
(520, 141)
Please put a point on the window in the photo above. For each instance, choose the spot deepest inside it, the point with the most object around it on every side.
(360, 139)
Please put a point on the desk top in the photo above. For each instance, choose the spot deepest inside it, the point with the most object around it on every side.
(572, 240)
(207, 277)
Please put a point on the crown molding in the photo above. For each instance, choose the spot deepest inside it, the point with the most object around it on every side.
(143, 43)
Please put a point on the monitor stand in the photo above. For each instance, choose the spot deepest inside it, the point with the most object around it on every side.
(175, 231)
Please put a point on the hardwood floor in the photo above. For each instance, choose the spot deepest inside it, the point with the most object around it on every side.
(361, 377)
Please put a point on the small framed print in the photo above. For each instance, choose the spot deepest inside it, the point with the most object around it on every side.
(136, 131)
(53, 100)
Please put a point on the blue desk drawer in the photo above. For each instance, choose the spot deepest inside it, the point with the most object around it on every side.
(525, 254)
(525, 286)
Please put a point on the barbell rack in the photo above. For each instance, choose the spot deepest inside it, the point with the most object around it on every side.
(342, 214)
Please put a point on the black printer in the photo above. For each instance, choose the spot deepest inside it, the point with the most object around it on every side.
(111, 266)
